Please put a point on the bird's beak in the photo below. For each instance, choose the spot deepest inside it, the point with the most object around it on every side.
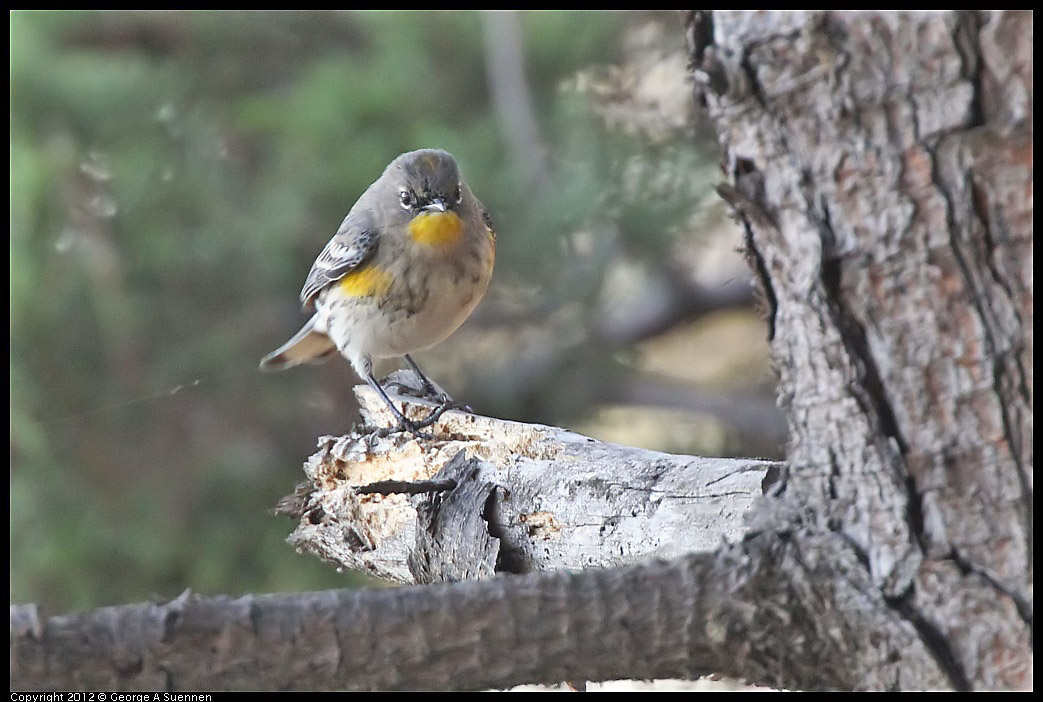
(437, 205)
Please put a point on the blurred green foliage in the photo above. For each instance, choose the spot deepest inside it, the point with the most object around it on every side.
(173, 174)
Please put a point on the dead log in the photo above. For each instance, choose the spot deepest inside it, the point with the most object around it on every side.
(525, 498)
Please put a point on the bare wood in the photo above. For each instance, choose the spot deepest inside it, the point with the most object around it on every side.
(561, 500)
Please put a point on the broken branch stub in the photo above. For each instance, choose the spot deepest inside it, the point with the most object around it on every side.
(527, 497)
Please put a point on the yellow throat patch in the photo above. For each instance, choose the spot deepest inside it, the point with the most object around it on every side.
(436, 228)
(367, 282)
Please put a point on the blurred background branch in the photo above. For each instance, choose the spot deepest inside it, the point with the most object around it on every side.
(509, 90)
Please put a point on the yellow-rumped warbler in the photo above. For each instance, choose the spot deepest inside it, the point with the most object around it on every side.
(405, 269)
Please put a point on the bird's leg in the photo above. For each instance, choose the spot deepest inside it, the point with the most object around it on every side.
(444, 401)
(403, 423)
(428, 387)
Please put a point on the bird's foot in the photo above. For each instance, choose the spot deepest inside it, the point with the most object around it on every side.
(426, 391)
(405, 425)
(447, 403)
(433, 393)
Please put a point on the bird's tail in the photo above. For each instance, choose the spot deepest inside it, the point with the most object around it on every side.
(307, 346)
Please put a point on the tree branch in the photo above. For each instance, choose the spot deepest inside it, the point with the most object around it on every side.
(551, 499)
(686, 618)
(672, 300)
(505, 74)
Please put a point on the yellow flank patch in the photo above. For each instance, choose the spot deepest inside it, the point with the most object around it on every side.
(366, 282)
(436, 228)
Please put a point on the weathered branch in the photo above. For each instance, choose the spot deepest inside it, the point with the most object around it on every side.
(699, 614)
(553, 499)
(483, 496)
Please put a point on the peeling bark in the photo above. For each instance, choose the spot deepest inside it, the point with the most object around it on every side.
(550, 498)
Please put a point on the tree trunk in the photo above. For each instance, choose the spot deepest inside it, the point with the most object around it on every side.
(882, 167)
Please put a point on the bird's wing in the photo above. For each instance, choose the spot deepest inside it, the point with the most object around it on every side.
(353, 244)
(486, 218)
(488, 223)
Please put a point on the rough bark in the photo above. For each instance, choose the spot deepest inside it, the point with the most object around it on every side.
(528, 498)
(684, 618)
(881, 166)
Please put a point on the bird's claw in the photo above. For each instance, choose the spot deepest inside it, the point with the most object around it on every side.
(449, 403)
(446, 403)
(404, 425)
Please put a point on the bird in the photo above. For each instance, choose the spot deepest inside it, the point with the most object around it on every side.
(406, 267)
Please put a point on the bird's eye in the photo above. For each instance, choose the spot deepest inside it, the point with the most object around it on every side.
(458, 194)
(406, 197)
